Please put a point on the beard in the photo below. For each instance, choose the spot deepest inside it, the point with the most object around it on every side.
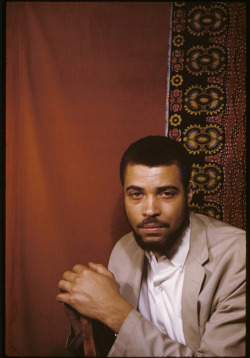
(170, 241)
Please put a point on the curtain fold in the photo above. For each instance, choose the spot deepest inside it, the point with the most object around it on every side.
(83, 80)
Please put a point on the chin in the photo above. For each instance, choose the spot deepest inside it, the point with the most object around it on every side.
(155, 243)
(153, 238)
(163, 243)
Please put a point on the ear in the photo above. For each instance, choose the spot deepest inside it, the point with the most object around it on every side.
(189, 193)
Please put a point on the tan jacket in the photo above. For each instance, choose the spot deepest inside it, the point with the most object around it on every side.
(213, 300)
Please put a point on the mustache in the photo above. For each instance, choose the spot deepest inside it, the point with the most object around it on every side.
(152, 220)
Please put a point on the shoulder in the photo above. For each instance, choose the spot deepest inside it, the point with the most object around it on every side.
(218, 227)
(125, 246)
(221, 237)
(125, 255)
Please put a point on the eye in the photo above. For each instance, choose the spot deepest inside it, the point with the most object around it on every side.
(167, 194)
(136, 195)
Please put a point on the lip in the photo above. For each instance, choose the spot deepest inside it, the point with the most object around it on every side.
(152, 225)
(153, 229)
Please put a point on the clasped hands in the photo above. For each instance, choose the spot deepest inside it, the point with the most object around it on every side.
(93, 292)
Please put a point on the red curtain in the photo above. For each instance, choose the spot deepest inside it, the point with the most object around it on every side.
(84, 80)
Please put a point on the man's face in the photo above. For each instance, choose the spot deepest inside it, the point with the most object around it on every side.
(156, 205)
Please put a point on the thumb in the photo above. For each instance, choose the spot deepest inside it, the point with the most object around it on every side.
(99, 268)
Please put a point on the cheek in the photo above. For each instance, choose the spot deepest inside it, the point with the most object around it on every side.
(183, 211)
(174, 213)
(132, 212)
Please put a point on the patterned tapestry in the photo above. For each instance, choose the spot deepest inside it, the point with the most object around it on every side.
(206, 102)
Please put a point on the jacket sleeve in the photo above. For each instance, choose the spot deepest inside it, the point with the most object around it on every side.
(222, 335)
(140, 338)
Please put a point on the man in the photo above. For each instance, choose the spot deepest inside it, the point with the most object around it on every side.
(176, 283)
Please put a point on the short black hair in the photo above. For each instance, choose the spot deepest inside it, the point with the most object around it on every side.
(154, 151)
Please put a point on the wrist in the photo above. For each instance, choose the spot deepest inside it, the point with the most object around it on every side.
(119, 313)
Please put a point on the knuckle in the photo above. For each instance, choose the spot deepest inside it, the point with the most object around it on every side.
(72, 299)
(111, 275)
(78, 280)
(78, 267)
(85, 273)
(60, 283)
(65, 274)
(74, 288)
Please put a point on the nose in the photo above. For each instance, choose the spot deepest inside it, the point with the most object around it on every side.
(151, 206)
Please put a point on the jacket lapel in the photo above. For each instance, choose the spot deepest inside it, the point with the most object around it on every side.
(131, 290)
(194, 276)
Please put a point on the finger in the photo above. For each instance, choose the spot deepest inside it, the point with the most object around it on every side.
(64, 285)
(69, 276)
(79, 268)
(98, 268)
(101, 269)
(63, 297)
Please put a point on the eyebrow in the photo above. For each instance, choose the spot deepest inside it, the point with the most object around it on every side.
(134, 187)
(158, 190)
(167, 187)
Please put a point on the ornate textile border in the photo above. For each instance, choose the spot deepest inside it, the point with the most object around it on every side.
(206, 102)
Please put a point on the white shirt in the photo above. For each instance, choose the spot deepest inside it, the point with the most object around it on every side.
(161, 291)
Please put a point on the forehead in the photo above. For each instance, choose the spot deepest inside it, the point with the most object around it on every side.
(142, 175)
